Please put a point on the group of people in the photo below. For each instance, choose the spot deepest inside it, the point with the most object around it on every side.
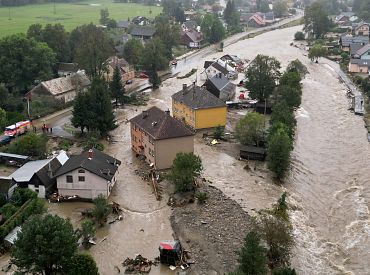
(46, 129)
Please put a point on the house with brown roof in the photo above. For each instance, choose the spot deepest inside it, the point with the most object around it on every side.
(125, 70)
(362, 29)
(158, 137)
(65, 88)
(191, 38)
(256, 20)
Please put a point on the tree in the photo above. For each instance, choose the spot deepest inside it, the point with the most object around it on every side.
(82, 264)
(101, 210)
(280, 8)
(217, 31)
(154, 79)
(180, 14)
(133, 50)
(104, 17)
(154, 57)
(297, 66)
(35, 31)
(80, 113)
(299, 36)
(30, 144)
(3, 119)
(93, 47)
(252, 257)
(45, 245)
(316, 52)
(316, 21)
(262, 75)
(249, 129)
(282, 113)
(292, 96)
(169, 34)
(100, 114)
(24, 60)
(262, 6)
(291, 79)
(277, 234)
(229, 11)
(58, 40)
(185, 168)
(218, 132)
(87, 232)
(278, 152)
(116, 88)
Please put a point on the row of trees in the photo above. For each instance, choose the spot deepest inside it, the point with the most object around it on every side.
(27, 2)
(267, 247)
(316, 20)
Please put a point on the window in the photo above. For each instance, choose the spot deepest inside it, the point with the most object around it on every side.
(81, 171)
(81, 178)
(69, 179)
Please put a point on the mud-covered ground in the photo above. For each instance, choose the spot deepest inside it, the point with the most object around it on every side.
(212, 232)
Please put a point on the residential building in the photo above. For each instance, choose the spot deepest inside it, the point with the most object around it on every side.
(88, 175)
(256, 21)
(221, 87)
(198, 108)
(141, 21)
(363, 52)
(244, 18)
(353, 48)
(191, 39)
(124, 68)
(39, 175)
(64, 89)
(362, 29)
(123, 24)
(65, 69)
(189, 25)
(158, 137)
(346, 40)
(142, 32)
(219, 66)
(359, 66)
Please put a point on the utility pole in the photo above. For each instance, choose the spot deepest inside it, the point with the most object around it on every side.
(9, 18)
(54, 8)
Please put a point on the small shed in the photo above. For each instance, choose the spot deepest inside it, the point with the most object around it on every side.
(252, 153)
(12, 237)
(170, 252)
(13, 159)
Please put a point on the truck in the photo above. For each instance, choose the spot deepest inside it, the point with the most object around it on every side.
(18, 128)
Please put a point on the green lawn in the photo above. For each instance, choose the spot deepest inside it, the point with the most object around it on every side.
(69, 15)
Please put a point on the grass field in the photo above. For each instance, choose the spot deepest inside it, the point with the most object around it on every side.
(69, 15)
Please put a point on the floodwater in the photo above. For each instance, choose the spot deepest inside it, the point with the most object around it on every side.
(328, 184)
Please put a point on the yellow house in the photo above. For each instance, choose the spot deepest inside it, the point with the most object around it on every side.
(198, 108)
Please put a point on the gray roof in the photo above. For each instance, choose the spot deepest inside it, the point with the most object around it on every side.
(13, 156)
(220, 68)
(26, 172)
(123, 24)
(362, 50)
(191, 24)
(13, 235)
(346, 40)
(354, 47)
(361, 24)
(142, 31)
(197, 97)
(160, 125)
(360, 62)
(221, 82)
(100, 164)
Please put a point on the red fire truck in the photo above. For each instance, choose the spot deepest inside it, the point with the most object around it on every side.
(17, 129)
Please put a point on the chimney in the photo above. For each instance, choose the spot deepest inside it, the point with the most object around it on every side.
(144, 114)
(219, 75)
(184, 88)
(90, 154)
(168, 112)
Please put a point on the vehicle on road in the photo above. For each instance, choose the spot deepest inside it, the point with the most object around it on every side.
(18, 128)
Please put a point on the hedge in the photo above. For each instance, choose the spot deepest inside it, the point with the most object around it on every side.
(30, 207)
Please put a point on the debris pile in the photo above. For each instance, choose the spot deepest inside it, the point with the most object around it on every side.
(138, 265)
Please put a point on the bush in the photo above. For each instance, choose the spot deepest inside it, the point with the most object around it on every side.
(30, 144)
(299, 36)
(93, 142)
(202, 197)
(8, 210)
(218, 132)
(21, 195)
(65, 144)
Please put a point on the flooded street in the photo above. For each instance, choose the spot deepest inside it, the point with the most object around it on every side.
(328, 184)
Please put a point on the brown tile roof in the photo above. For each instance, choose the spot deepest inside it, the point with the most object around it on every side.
(160, 125)
(65, 84)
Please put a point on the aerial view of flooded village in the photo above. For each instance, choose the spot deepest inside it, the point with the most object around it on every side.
(185, 137)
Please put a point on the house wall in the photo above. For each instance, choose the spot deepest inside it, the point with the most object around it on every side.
(183, 113)
(363, 30)
(90, 188)
(355, 68)
(142, 143)
(210, 117)
(40, 190)
(365, 56)
(166, 150)
(67, 97)
(345, 49)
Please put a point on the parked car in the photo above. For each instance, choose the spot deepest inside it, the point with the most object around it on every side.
(5, 140)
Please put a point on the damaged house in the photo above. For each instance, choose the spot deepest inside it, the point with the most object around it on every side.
(220, 86)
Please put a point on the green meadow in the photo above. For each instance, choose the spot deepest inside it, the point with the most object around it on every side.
(71, 15)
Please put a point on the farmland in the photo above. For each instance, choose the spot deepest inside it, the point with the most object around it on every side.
(69, 15)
